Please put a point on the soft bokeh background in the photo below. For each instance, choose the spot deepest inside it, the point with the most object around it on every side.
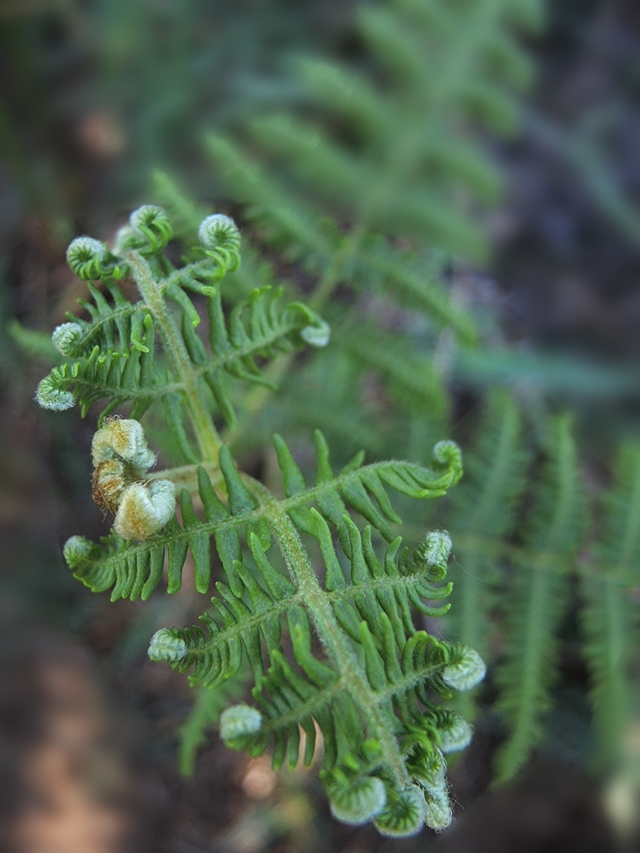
(96, 94)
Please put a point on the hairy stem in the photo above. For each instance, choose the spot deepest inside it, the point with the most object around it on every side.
(181, 365)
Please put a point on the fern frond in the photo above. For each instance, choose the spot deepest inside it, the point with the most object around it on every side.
(409, 378)
(373, 692)
(134, 570)
(483, 513)
(608, 620)
(112, 355)
(536, 600)
(443, 65)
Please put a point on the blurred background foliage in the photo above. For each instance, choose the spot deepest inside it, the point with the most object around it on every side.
(98, 95)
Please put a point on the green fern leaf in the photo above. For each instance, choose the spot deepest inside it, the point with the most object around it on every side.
(131, 568)
(483, 513)
(373, 693)
(608, 622)
(536, 600)
(112, 355)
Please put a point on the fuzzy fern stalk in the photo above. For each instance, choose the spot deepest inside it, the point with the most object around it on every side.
(308, 566)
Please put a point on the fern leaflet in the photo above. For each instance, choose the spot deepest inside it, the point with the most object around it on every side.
(536, 600)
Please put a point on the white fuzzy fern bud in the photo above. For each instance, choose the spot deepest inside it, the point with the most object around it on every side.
(220, 236)
(76, 549)
(145, 508)
(436, 547)
(467, 672)
(438, 814)
(166, 647)
(455, 734)
(50, 396)
(86, 257)
(121, 457)
(404, 813)
(360, 801)
(317, 335)
(122, 438)
(238, 721)
(219, 230)
(66, 337)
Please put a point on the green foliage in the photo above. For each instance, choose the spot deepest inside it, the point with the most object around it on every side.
(373, 690)
(363, 194)
(609, 621)
(134, 569)
(484, 510)
(112, 354)
(535, 602)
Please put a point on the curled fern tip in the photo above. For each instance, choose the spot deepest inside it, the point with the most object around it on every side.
(50, 396)
(467, 672)
(166, 647)
(358, 802)
(238, 722)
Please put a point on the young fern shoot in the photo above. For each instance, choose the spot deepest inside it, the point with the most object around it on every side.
(361, 669)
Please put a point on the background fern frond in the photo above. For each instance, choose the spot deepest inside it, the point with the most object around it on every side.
(535, 602)
(205, 713)
(484, 509)
(608, 620)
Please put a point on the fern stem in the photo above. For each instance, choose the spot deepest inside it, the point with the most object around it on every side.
(336, 645)
(181, 365)
(186, 476)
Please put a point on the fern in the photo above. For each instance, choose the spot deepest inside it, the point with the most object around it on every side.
(483, 514)
(112, 355)
(352, 194)
(373, 689)
(536, 599)
(379, 671)
(365, 198)
(609, 624)
(133, 569)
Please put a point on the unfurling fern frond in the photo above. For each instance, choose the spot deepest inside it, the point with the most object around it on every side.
(134, 569)
(537, 597)
(373, 688)
(373, 692)
(112, 355)
(609, 625)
